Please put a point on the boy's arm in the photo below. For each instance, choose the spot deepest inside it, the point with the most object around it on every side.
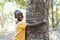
(36, 24)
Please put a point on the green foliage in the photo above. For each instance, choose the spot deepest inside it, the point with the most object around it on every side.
(55, 11)
(0, 8)
(56, 2)
(20, 2)
(10, 0)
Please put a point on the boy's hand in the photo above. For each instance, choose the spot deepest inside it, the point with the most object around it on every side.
(44, 22)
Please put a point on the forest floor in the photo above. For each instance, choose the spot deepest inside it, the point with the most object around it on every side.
(54, 34)
(7, 36)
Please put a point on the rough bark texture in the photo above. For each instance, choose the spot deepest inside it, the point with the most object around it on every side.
(36, 10)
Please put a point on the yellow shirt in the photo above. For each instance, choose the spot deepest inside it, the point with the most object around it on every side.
(20, 31)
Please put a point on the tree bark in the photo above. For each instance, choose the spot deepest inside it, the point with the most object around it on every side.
(37, 10)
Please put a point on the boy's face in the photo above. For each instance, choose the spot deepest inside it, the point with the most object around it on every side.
(19, 16)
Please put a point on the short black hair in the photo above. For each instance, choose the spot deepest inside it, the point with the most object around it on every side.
(16, 12)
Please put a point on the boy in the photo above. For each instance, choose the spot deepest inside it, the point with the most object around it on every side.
(20, 26)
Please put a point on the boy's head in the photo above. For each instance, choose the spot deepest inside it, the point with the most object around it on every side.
(18, 15)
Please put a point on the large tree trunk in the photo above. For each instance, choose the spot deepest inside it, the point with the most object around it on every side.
(37, 10)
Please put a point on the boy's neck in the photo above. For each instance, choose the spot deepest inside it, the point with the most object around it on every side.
(19, 20)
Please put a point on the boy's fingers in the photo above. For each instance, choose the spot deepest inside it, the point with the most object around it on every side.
(45, 21)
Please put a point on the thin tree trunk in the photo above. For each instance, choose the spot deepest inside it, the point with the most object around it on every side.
(2, 17)
(52, 14)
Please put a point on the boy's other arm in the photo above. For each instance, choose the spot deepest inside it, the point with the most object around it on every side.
(36, 24)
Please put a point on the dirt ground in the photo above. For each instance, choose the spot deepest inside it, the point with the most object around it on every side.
(53, 35)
